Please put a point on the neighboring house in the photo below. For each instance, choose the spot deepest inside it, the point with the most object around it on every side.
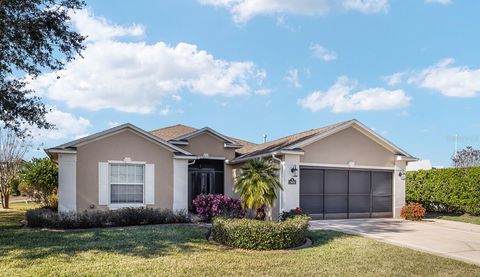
(419, 165)
(344, 170)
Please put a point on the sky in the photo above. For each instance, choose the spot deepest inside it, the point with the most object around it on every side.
(409, 69)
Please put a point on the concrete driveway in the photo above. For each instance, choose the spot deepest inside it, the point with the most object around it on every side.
(445, 238)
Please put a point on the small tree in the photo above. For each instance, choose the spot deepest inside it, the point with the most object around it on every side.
(467, 157)
(12, 150)
(257, 184)
(41, 177)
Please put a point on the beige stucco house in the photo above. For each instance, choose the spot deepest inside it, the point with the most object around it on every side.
(344, 170)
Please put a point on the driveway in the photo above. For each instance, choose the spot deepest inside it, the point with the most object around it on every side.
(450, 239)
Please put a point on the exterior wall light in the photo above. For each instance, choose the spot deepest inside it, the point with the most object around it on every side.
(402, 174)
(294, 171)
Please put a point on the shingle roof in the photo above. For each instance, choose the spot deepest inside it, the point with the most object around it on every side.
(278, 144)
(172, 132)
(175, 131)
(249, 148)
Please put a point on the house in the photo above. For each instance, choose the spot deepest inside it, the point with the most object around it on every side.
(344, 170)
(419, 165)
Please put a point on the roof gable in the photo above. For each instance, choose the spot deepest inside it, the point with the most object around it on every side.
(113, 131)
(360, 127)
(225, 139)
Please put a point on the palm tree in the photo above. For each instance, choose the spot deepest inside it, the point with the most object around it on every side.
(257, 184)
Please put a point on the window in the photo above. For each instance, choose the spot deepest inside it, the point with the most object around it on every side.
(126, 183)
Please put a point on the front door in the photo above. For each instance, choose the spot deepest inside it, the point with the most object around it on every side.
(200, 182)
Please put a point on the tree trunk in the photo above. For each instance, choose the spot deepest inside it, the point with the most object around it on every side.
(260, 213)
(6, 201)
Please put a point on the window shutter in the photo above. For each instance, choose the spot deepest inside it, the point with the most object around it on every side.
(150, 184)
(103, 197)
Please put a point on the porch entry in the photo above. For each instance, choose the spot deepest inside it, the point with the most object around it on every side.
(205, 176)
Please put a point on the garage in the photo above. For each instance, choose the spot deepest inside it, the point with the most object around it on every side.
(335, 193)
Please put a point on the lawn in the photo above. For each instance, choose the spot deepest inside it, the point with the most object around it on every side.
(461, 218)
(170, 250)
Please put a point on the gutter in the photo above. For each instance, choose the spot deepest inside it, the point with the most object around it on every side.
(269, 154)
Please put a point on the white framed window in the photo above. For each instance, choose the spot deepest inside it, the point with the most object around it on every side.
(127, 183)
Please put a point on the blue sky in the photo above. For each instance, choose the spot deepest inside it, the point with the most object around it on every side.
(409, 69)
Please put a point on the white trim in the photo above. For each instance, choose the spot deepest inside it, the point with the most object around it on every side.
(403, 158)
(114, 206)
(268, 154)
(347, 166)
(185, 157)
(232, 145)
(60, 151)
(198, 158)
(125, 162)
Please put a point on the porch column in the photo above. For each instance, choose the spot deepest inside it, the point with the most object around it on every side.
(180, 184)
(398, 187)
(290, 196)
(67, 182)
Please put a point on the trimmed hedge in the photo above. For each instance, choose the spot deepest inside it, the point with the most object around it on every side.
(450, 190)
(260, 235)
(46, 218)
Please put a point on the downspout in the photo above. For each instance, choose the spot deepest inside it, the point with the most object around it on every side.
(281, 179)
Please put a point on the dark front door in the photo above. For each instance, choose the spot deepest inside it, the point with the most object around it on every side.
(204, 177)
(200, 182)
(339, 193)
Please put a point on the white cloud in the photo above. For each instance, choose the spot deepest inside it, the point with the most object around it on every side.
(67, 126)
(443, 2)
(136, 76)
(322, 53)
(292, 78)
(244, 10)
(394, 79)
(99, 28)
(342, 98)
(449, 80)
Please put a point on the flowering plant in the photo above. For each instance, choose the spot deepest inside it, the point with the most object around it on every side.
(292, 213)
(413, 211)
(208, 206)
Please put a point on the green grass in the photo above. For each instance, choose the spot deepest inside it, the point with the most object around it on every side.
(172, 250)
(461, 218)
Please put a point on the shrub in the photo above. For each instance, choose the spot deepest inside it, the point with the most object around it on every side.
(14, 187)
(46, 218)
(450, 190)
(41, 178)
(292, 213)
(260, 235)
(210, 205)
(413, 211)
(25, 190)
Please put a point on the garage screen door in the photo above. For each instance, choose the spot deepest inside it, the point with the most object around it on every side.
(339, 193)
